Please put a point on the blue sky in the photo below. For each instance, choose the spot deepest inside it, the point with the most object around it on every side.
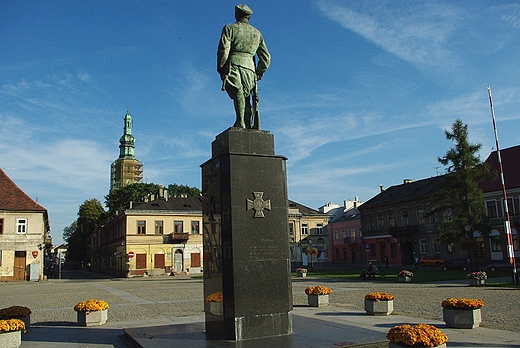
(358, 94)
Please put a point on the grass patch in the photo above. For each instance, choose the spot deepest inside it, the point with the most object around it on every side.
(421, 275)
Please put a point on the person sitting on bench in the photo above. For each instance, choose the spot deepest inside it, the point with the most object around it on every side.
(370, 272)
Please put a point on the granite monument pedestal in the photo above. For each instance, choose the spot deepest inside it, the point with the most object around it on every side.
(246, 245)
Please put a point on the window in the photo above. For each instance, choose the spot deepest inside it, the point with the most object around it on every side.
(195, 259)
(177, 227)
(451, 247)
(158, 227)
(305, 229)
(1, 226)
(335, 234)
(448, 216)
(140, 261)
(373, 249)
(391, 220)
(370, 223)
(343, 233)
(0, 257)
(21, 226)
(404, 217)
(515, 242)
(393, 250)
(291, 227)
(195, 229)
(352, 234)
(491, 209)
(436, 248)
(423, 249)
(337, 253)
(319, 229)
(141, 227)
(380, 221)
(496, 244)
(420, 216)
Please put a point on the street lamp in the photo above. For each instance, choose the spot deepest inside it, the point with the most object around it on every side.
(467, 228)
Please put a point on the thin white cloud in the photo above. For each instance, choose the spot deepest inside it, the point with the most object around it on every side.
(418, 33)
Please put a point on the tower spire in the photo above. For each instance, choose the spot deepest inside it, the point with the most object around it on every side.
(127, 141)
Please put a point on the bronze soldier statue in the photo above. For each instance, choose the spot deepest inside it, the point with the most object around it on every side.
(239, 43)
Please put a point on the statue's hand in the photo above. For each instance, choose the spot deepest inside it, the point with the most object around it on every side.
(258, 77)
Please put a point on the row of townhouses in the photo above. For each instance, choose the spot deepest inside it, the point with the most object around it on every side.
(164, 235)
(396, 224)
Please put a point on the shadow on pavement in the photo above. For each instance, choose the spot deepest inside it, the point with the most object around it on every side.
(62, 336)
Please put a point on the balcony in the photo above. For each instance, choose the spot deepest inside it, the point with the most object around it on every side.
(350, 240)
(173, 238)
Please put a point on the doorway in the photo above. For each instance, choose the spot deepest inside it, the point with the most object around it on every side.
(177, 261)
(19, 265)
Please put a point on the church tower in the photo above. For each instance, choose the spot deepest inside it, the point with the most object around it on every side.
(126, 169)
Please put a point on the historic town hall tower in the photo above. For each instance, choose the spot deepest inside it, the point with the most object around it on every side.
(126, 169)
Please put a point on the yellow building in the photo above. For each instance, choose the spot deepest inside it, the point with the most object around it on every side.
(24, 228)
(154, 238)
(307, 228)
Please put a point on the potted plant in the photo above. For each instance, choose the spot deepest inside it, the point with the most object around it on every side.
(17, 312)
(405, 276)
(11, 333)
(301, 272)
(318, 296)
(420, 335)
(477, 278)
(92, 312)
(379, 303)
(462, 313)
(215, 303)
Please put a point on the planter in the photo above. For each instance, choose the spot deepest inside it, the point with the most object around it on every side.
(404, 279)
(11, 339)
(477, 282)
(379, 308)
(318, 300)
(301, 274)
(94, 318)
(395, 345)
(27, 321)
(462, 318)
(216, 308)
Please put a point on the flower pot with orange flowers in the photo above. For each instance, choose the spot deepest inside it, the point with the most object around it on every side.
(462, 313)
(420, 335)
(379, 303)
(318, 296)
(11, 333)
(92, 312)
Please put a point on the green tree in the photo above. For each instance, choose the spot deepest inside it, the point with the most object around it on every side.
(175, 190)
(460, 201)
(118, 199)
(91, 215)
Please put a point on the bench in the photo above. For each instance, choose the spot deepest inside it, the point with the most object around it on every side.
(373, 276)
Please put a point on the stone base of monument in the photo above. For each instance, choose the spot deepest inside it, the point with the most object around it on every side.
(246, 249)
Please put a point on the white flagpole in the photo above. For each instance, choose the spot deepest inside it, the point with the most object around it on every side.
(507, 224)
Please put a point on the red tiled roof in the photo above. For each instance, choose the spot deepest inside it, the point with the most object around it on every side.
(510, 158)
(13, 198)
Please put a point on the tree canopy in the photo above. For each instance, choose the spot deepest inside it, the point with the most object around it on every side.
(461, 201)
(91, 215)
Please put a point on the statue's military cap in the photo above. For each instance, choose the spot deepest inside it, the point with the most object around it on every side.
(244, 8)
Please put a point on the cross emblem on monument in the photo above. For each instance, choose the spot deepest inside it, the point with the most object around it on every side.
(258, 204)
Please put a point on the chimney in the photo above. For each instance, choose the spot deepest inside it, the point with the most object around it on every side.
(381, 188)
